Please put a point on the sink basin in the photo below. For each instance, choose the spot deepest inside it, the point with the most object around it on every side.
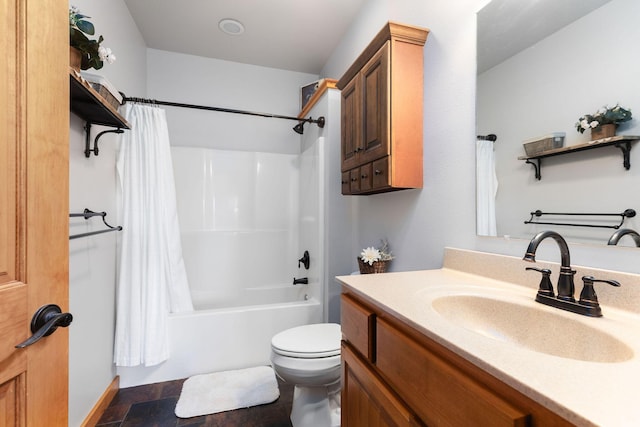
(533, 328)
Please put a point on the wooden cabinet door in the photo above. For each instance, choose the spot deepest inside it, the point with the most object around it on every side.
(375, 99)
(34, 206)
(351, 110)
(358, 326)
(369, 402)
(438, 392)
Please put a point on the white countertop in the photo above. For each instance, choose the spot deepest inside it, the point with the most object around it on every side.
(585, 393)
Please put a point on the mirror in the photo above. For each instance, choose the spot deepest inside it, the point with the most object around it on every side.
(542, 64)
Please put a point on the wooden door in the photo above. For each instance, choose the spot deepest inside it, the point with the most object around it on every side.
(34, 200)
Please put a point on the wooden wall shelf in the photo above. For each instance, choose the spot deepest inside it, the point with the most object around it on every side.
(324, 85)
(87, 104)
(623, 142)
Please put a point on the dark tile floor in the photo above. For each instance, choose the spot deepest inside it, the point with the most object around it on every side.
(154, 405)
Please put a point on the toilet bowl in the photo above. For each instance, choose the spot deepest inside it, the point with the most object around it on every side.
(309, 358)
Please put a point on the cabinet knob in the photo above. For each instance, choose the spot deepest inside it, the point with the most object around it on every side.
(378, 172)
(363, 176)
(354, 179)
(358, 149)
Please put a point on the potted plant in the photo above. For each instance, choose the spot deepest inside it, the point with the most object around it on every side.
(85, 52)
(604, 122)
(375, 260)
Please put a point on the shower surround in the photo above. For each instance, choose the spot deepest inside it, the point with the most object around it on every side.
(245, 220)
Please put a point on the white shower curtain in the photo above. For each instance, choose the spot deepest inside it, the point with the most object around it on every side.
(486, 189)
(152, 280)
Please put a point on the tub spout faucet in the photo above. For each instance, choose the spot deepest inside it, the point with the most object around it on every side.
(301, 281)
(566, 288)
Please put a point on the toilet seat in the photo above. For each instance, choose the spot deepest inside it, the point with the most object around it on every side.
(308, 341)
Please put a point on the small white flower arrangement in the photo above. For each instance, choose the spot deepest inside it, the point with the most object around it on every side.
(371, 254)
(94, 55)
(606, 115)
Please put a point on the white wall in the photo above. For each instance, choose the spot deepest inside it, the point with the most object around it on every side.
(337, 211)
(545, 89)
(217, 83)
(92, 260)
(420, 223)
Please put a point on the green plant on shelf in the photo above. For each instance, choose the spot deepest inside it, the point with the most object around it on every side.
(93, 55)
(604, 116)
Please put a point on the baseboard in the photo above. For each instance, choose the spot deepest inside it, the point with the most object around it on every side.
(102, 404)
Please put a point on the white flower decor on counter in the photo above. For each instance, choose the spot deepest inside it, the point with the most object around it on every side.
(375, 260)
(370, 255)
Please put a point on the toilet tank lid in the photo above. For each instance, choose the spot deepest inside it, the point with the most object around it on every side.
(313, 339)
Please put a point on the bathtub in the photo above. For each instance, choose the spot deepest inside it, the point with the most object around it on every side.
(248, 297)
(236, 336)
(245, 220)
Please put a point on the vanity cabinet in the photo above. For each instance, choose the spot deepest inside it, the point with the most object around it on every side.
(381, 114)
(394, 373)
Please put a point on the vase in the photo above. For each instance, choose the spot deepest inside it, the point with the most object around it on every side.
(376, 267)
(75, 58)
(603, 131)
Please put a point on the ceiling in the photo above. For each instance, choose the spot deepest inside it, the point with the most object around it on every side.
(295, 35)
(506, 27)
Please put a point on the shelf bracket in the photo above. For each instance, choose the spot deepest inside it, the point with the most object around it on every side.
(625, 147)
(536, 166)
(87, 140)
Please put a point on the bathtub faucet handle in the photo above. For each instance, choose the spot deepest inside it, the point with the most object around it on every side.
(304, 260)
(301, 281)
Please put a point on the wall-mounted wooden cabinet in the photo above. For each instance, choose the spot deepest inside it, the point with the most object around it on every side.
(382, 113)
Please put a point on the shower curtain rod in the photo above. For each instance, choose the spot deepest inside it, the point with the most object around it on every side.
(320, 121)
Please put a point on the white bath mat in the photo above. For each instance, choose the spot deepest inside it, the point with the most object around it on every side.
(225, 391)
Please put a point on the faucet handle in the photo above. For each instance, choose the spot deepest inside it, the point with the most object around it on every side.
(546, 288)
(588, 295)
(304, 260)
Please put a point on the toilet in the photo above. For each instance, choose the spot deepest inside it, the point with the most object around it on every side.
(308, 357)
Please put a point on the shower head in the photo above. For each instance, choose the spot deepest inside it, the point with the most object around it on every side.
(299, 128)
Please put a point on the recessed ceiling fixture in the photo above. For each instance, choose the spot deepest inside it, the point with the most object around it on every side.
(230, 26)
